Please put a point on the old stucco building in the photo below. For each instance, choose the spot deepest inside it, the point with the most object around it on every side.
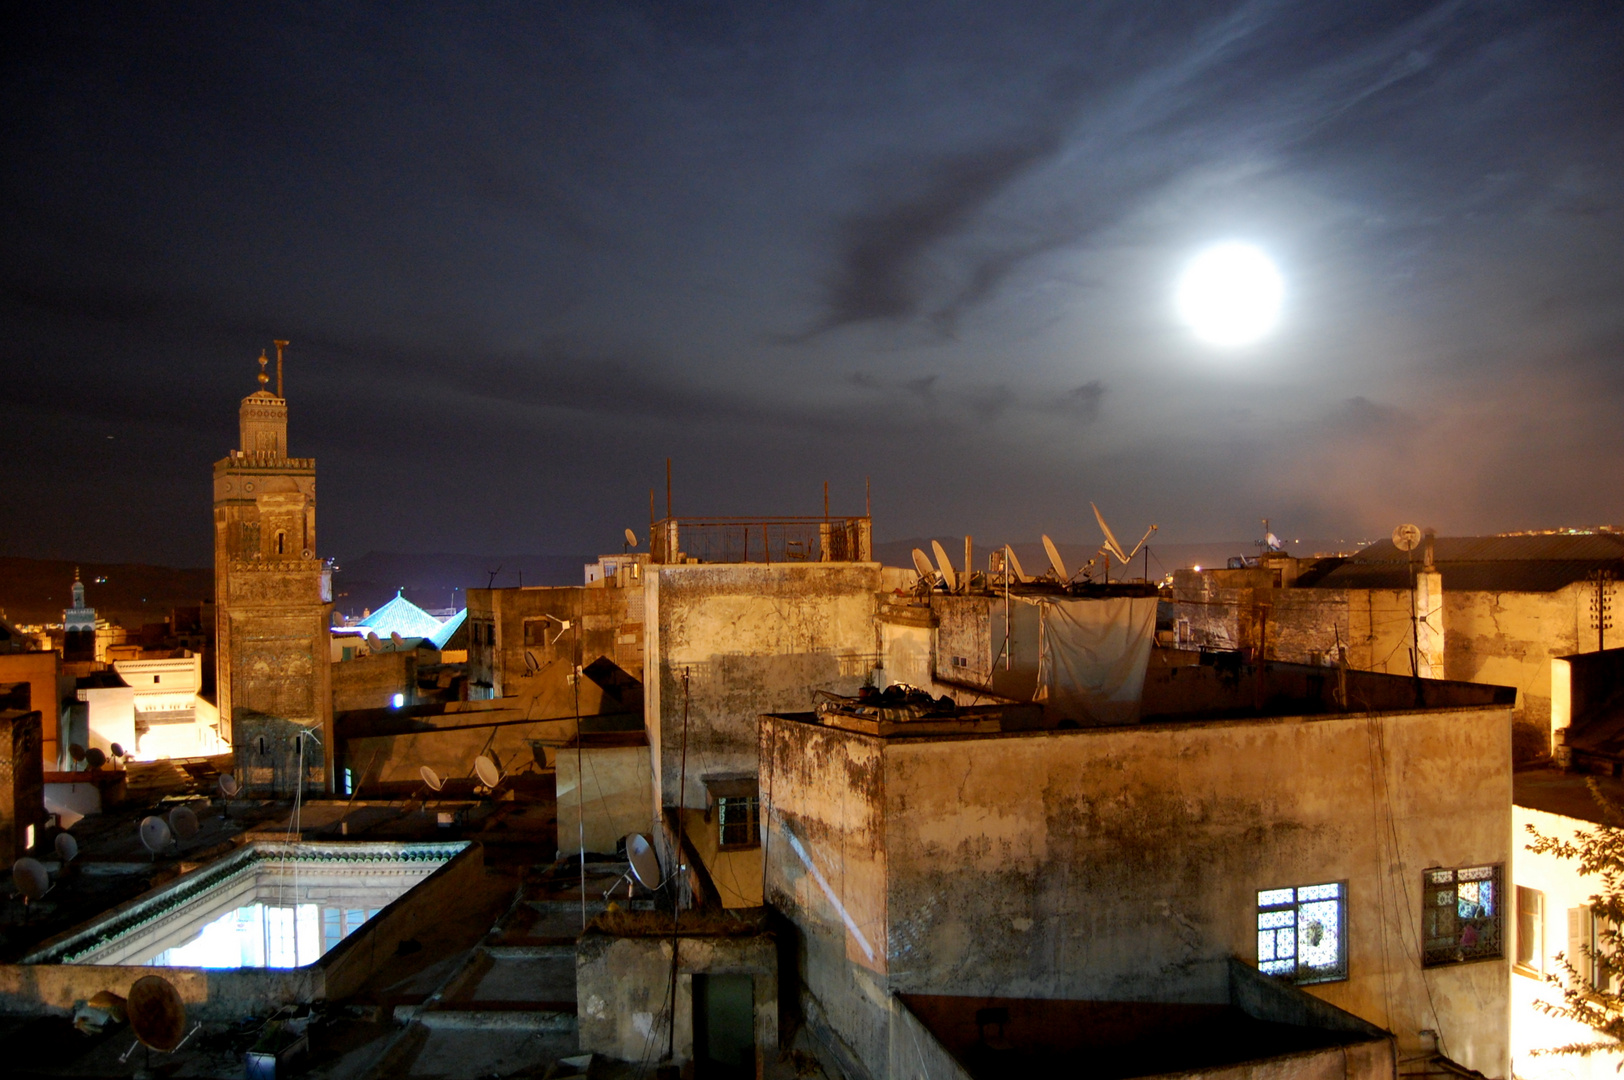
(273, 597)
(1490, 609)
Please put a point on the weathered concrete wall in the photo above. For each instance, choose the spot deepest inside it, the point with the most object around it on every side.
(1124, 863)
(52, 989)
(371, 682)
(449, 748)
(516, 639)
(618, 793)
(753, 638)
(621, 985)
(736, 872)
(826, 871)
(39, 671)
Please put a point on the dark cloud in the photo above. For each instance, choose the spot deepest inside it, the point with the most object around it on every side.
(526, 253)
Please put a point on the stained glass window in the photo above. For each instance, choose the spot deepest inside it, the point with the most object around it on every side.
(1302, 933)
(1461, 917)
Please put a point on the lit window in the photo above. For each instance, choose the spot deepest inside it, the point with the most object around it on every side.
(740, 821)
(28, 838)
(1301, 933)
(1587, 951)
(1460, 915)
(399, 700)
(1530, 931)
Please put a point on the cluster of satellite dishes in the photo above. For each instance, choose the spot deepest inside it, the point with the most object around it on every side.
(159, 834)
(486, 771)
(31, 879)
(942, 573)
(95, 757)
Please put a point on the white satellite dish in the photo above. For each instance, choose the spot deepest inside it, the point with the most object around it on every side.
(1111, 543)
(645, 866)
(30, 878)
(228, 785)
(431, 778)
(1014, 563)
(372, 639)
(1055, 563)
(394, 638)
(944, 566)
(183, 822)
(155, 834)
(66, 847)
(922, 566)
(631, 538)
(1406, 537)
(486, 770)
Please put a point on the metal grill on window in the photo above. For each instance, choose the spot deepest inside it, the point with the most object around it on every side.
(1461, 916)
(1302, 933)
(740, 820)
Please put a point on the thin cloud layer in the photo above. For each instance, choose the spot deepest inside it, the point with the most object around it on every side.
(526, 254)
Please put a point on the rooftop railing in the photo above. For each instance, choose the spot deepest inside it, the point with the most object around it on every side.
(676, 540)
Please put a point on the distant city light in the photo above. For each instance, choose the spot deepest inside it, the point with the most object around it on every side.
(1230, 295)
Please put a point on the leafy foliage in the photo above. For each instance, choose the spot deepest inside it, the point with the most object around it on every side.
(1590, 988)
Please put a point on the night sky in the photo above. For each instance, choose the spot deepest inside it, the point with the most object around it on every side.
(525, 254)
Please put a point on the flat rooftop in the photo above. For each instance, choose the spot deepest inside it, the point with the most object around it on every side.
(1110, 1040)
(1557, 791)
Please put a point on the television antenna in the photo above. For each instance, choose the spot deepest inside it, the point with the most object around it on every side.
(155, 835)
(645, 867)
(488, 772)
(1018, 574)
(30, 878)
(491, 584)
(564, 626)
(66, 847)
(183, 823)
(157, 1017)
(944, 566)
(1055, 562)
(922, 567)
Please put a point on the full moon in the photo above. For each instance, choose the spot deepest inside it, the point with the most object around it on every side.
(1230, 295)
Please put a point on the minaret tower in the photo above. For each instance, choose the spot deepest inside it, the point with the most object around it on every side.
(273, 599)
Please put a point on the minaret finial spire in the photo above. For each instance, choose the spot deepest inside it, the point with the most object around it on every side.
(263, 360)
(280, 345)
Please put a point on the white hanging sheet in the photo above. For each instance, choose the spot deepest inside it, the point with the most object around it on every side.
(1092, 656)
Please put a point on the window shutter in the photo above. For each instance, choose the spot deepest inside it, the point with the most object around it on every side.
(1578, 938)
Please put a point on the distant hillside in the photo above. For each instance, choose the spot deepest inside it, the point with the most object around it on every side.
(36, 590)
(442, 580)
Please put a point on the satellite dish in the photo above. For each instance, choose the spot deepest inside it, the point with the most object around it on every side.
(943, 564)
(645, 866)
(30, 878)
(1055, 564)
(76, 752)
(431, 778)
(66, 847)
(155, 834)
(394, 638)
(1111, 544)
(95, 757)
(117, 750)
(922, 565)
(1014, 563)
(156, 1013)
(486, 769)
(631, 538)
(1405, 537)
(183, 822)
(228, 785)
(372, 639)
